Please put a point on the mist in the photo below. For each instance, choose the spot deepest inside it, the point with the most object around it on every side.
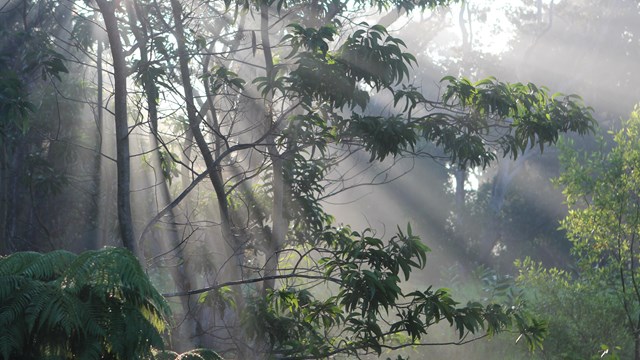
(247, 150)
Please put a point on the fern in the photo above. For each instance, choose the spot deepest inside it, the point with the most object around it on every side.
(36, 266)
(97, 305)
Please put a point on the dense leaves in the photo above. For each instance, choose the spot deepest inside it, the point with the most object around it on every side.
(601, 189)
(65, 306)
(563, 299)
(471, 122)
(33, 60)
(369, 308)
(510, 116)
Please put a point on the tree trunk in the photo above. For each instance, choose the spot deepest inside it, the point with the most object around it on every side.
(168, 240)
(125, 220)
(280, 222)
(194, 125)
(461, 177)
(13, 191)
(491, 236)
(95, 241)
(230, 242)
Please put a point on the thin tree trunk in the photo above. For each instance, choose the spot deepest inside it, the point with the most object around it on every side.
(13, 191)
(182, 337)
(461, 177)
(280, 223)
(95, 241)
(232, 244)
(4, 246)
(194, 125)
(125, 220)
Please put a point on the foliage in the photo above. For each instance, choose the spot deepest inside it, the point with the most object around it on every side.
(369, 310)
(14, 104)
(271, 136)
(34, 58)
(601, 189)
(583, 315)
(96, 305)
(485, 285)
(532, 116)
(471, 120)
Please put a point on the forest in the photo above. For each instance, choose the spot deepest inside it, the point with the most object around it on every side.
(319, 179)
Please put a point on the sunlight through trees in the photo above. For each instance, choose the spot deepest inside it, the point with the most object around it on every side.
(210, 141)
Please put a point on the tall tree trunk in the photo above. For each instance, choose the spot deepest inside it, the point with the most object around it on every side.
(491, 235)
(169, 239)
(95, 241)
(13, 207)
(125, 221)
(4, 246)
(231, 243)
(280, 223)
(194, 125)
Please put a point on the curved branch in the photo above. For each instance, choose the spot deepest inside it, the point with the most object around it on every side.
(249, 281)
(193, 184)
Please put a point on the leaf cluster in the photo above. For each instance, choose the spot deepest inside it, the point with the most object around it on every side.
(368, 57)
(382, 136)
(516, 116)
(304, 177)
(220, 77)
(370, 308)
(602, 190)
(472, 122)
(326, 6)
(14, 103)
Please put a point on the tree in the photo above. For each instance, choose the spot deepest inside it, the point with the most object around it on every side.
(601, 189)
(121, 117)
(315, 113)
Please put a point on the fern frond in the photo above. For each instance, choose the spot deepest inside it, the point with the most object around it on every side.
(15, 263)
(10, 340)
(207, 354)
(14, 306)
(49, 266)
(9, 284)
(35, 265)
(190, 356)
(98, 305)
